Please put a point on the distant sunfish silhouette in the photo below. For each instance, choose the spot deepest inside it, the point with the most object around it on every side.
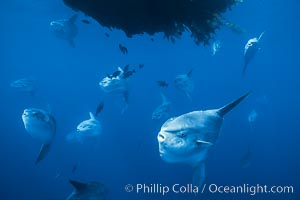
(163, 110)
(188, 137)
(250, 50)
(26, 85)
(42, 126)
(65, 29)
(88, 191)
(184, 83)
(87, 130)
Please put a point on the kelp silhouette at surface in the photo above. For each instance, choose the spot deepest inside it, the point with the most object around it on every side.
(172, 17)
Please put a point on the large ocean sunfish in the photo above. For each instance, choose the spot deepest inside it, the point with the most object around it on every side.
(41, 126)
(188, 137)
(65, 29)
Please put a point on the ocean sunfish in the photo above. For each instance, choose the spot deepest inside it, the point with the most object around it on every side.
(250, 51)
(188, 137)
(184, 83)
(163, 110)
(86, 130)
(65, 29)
(42, 126)
(88, 191)
(26, 85)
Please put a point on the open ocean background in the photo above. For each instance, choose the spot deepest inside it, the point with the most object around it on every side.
(127, 151)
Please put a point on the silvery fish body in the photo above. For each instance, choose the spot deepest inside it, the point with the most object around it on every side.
(163, 110)
(41, 126)
(250, 50)
(215, 47)
(114, 84)
(188, 137)
(87, 129)
(26, 85)
(65, 29)
(184, 83)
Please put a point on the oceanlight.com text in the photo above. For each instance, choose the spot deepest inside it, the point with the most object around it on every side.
(156, 188)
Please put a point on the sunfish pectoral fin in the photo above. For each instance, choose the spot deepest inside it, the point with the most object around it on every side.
(261, 35)
(43, 152)
(203, 142)
(225, 109)
(92, 116)
(198, 174)
(189, 74)
(78, 185)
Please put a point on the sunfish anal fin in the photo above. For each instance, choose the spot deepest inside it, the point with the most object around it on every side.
(43, 152)
(78, 185)
(199, 174)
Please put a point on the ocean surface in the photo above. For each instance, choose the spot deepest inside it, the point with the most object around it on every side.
(126, 152)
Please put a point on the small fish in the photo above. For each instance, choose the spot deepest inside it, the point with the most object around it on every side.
(116, 74)
(215, 47)
(126, 68)
(99, 108)
(86, 21)
(107, 35)
(141, 66)
(128, 73)
(123, 49)
(152, 39)
(162, 84)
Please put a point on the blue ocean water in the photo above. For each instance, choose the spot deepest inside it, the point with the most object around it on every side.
(127, 150)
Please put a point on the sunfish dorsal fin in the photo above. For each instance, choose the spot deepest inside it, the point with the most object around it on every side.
(260, 36)
(121, 70)
(78, 185)
(164, 99)
(92, 116)
(189, 74)
(73, 18)
(199, 174)
(225, 109)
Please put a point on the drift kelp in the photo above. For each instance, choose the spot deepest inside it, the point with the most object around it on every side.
(172, 17)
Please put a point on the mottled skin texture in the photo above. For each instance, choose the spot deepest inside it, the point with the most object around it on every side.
(250, 51)
(163, 110)
(87, 129)
(184, 83)
(188, 137)
(114, 84)
(40, 125)
(65, 29)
